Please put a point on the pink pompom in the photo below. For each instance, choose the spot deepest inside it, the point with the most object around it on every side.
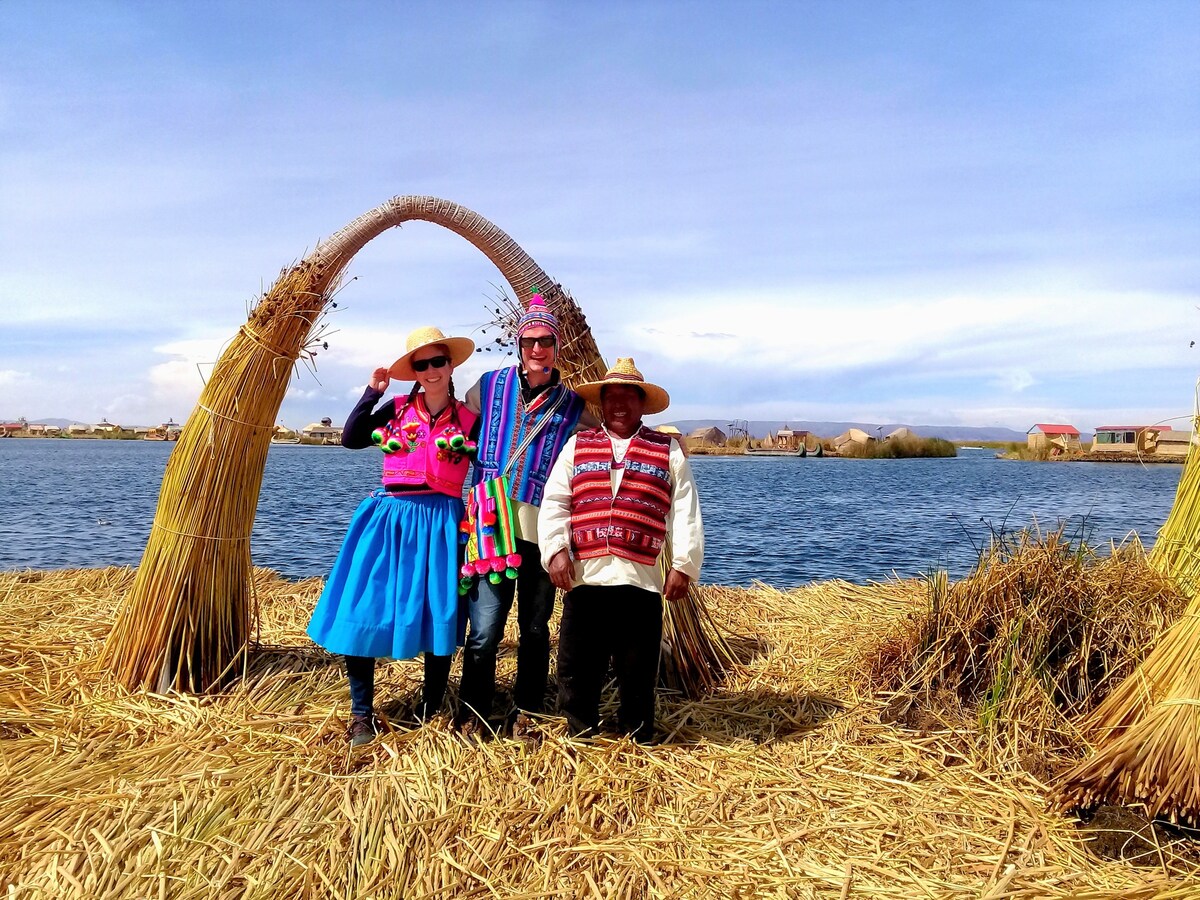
(481, 567)
(467, 570)
(513, 560)
(498, 564)
(536, 300)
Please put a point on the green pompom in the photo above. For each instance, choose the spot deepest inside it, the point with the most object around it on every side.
(510, 572)
(494, 577)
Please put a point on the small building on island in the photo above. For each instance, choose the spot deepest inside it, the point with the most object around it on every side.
(1141, 440)
(787, 439)
(1172, 443)
(851, 436)
(323, 432)
(712, 436)
(1055, 439)
(1124, 439)
(900, 434)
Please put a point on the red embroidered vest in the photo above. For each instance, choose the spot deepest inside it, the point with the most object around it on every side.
(419, 460)
(633, 524)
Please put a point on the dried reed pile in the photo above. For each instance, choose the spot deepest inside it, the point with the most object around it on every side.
(695, 653)
(1148, 729)
(782, 783)
(1031, 640)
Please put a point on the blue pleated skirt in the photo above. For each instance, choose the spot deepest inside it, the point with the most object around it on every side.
(393, 590)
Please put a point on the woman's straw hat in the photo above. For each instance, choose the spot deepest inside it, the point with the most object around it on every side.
(625, 372)
(460, 349)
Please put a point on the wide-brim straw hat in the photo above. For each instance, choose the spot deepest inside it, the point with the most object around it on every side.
(623, 371)
(459, 348)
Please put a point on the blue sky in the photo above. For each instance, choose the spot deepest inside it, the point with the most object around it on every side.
(946, 213)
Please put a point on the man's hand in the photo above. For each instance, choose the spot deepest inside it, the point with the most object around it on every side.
(380, 379)
(676, 586)
(562, 570)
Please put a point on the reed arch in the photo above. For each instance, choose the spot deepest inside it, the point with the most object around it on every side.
(187, 620)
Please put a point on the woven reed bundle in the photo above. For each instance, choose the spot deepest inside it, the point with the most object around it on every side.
(1148, 730)
(186, 622)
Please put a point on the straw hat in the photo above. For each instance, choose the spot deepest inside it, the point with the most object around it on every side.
(460, 349)
(625, 372)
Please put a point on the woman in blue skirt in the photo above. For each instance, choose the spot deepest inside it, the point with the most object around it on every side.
(393, 590)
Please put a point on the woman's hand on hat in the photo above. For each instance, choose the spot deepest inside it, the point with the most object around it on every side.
(380, 379)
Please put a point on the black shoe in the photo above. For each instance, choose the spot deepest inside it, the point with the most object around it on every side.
(362, 730)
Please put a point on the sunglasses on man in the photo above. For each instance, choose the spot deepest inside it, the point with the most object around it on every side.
(438, 362)
(546, 341)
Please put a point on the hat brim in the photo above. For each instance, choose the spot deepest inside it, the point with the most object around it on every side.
(656, 398)
(460, 349)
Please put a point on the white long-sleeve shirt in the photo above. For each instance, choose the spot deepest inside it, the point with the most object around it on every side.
(684, 525)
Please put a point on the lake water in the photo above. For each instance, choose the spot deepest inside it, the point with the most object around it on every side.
(784, 521)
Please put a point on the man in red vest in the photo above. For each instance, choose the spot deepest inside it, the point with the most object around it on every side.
(616, 496)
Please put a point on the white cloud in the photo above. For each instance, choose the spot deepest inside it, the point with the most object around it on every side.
(1006, 336)
(1015, 380)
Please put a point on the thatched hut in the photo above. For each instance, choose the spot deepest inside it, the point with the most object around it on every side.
(712, 436)
(851, 436)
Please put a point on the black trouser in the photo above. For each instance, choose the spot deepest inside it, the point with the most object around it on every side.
(360, 670)
(623, 624)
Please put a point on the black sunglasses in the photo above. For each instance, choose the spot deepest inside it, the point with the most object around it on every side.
(546, 340)
(438, 362)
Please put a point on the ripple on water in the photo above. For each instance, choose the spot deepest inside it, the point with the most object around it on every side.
(784, 521)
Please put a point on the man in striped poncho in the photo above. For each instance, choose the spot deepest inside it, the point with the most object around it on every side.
(526, 416)
(614, 498)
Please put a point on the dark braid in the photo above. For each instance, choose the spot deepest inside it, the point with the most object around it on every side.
(412, 395)
(454, 407)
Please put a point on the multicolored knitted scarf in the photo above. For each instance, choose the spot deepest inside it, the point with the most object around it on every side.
(490, 533)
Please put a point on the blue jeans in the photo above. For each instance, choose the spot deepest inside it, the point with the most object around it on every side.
(487, 610)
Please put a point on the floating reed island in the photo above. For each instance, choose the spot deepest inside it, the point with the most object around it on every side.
(905, 739)
(890, 740)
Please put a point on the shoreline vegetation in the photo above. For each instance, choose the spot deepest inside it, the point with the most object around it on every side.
(298, 438)
(900, 447)
(1013, 450)
(897, 739)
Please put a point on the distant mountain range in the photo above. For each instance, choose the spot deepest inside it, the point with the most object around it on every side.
(759, 429)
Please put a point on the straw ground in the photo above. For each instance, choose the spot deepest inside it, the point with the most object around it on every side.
(783, 783)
